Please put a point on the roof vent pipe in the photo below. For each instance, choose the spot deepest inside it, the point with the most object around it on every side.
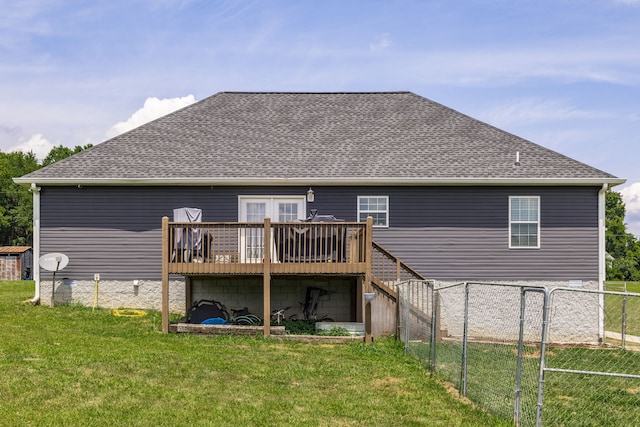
(517, 162)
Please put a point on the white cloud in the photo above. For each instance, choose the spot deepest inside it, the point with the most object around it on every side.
(153, 108)
(565, 63)
(533, 111)
(37, 143)
(381, 42)
(631, 197)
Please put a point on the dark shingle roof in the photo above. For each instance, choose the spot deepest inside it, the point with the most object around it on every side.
(299, 138)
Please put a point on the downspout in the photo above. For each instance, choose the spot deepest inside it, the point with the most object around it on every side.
(35, 190)
(602, 269)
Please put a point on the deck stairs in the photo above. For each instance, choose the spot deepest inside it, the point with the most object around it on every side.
(387, 273)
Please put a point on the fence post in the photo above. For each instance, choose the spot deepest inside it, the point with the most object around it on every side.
(407, 316)
(434, 326)
(465, 340)
(543, 349)
(624, 319)
(516, 406)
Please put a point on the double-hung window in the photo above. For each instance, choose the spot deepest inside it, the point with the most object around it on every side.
(376, 207)
(524, 221)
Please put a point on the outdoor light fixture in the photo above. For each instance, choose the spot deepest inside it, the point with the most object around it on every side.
(369, 296)
(310, 196)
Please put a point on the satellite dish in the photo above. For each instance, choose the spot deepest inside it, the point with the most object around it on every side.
(54, 261)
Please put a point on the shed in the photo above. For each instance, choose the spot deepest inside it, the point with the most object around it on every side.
(16, 262)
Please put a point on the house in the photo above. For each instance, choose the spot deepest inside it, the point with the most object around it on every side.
(15, 262)
(450, 199)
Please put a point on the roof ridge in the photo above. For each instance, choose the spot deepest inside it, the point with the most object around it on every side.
(404, 92)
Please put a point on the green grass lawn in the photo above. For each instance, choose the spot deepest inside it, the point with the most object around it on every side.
(614, 305)
(72, 366)
(569, 399)
(623, 287)
(594, 400)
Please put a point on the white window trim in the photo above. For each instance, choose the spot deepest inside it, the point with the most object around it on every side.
(386, 211)
(524, 222)
(242, 238)
(301, 199)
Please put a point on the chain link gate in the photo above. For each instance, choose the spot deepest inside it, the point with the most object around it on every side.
(568, 356)
(593, 380)
(417, 319)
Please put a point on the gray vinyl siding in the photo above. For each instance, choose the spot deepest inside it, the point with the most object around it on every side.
(443, 232)
(443, 253)
(117, 231)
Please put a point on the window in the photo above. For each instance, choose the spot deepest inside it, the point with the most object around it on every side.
(255, 209)
(524, 221)
(278, 208)
(288, 211)
(376, 207)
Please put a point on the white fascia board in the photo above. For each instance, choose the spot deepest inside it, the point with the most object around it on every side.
(338, 181)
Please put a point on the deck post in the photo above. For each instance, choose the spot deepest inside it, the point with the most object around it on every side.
(368, 255)
(368, 337)
(187, 295)
(267, 277)
(165, 275)
(368, 278)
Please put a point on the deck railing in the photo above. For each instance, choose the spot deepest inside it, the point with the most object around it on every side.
(387, 269)
(387, 272)
(218, 248)
(240, 247)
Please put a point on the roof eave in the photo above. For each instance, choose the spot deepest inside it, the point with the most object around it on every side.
(342, 181)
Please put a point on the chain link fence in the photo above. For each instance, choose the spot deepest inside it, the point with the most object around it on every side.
(561, 357)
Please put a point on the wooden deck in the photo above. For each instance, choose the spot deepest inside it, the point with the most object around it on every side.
(295, 248)
(239, 248)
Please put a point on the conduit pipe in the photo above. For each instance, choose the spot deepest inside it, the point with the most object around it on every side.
(602, 269)
(35, 190)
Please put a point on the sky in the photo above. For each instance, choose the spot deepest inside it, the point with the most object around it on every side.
(564, 74)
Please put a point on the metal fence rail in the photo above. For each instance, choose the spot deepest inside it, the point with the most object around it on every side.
(600, 381)
(565, 356)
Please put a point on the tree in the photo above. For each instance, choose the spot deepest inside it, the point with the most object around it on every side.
(60, 152)
(622, 246)
(16, 203)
